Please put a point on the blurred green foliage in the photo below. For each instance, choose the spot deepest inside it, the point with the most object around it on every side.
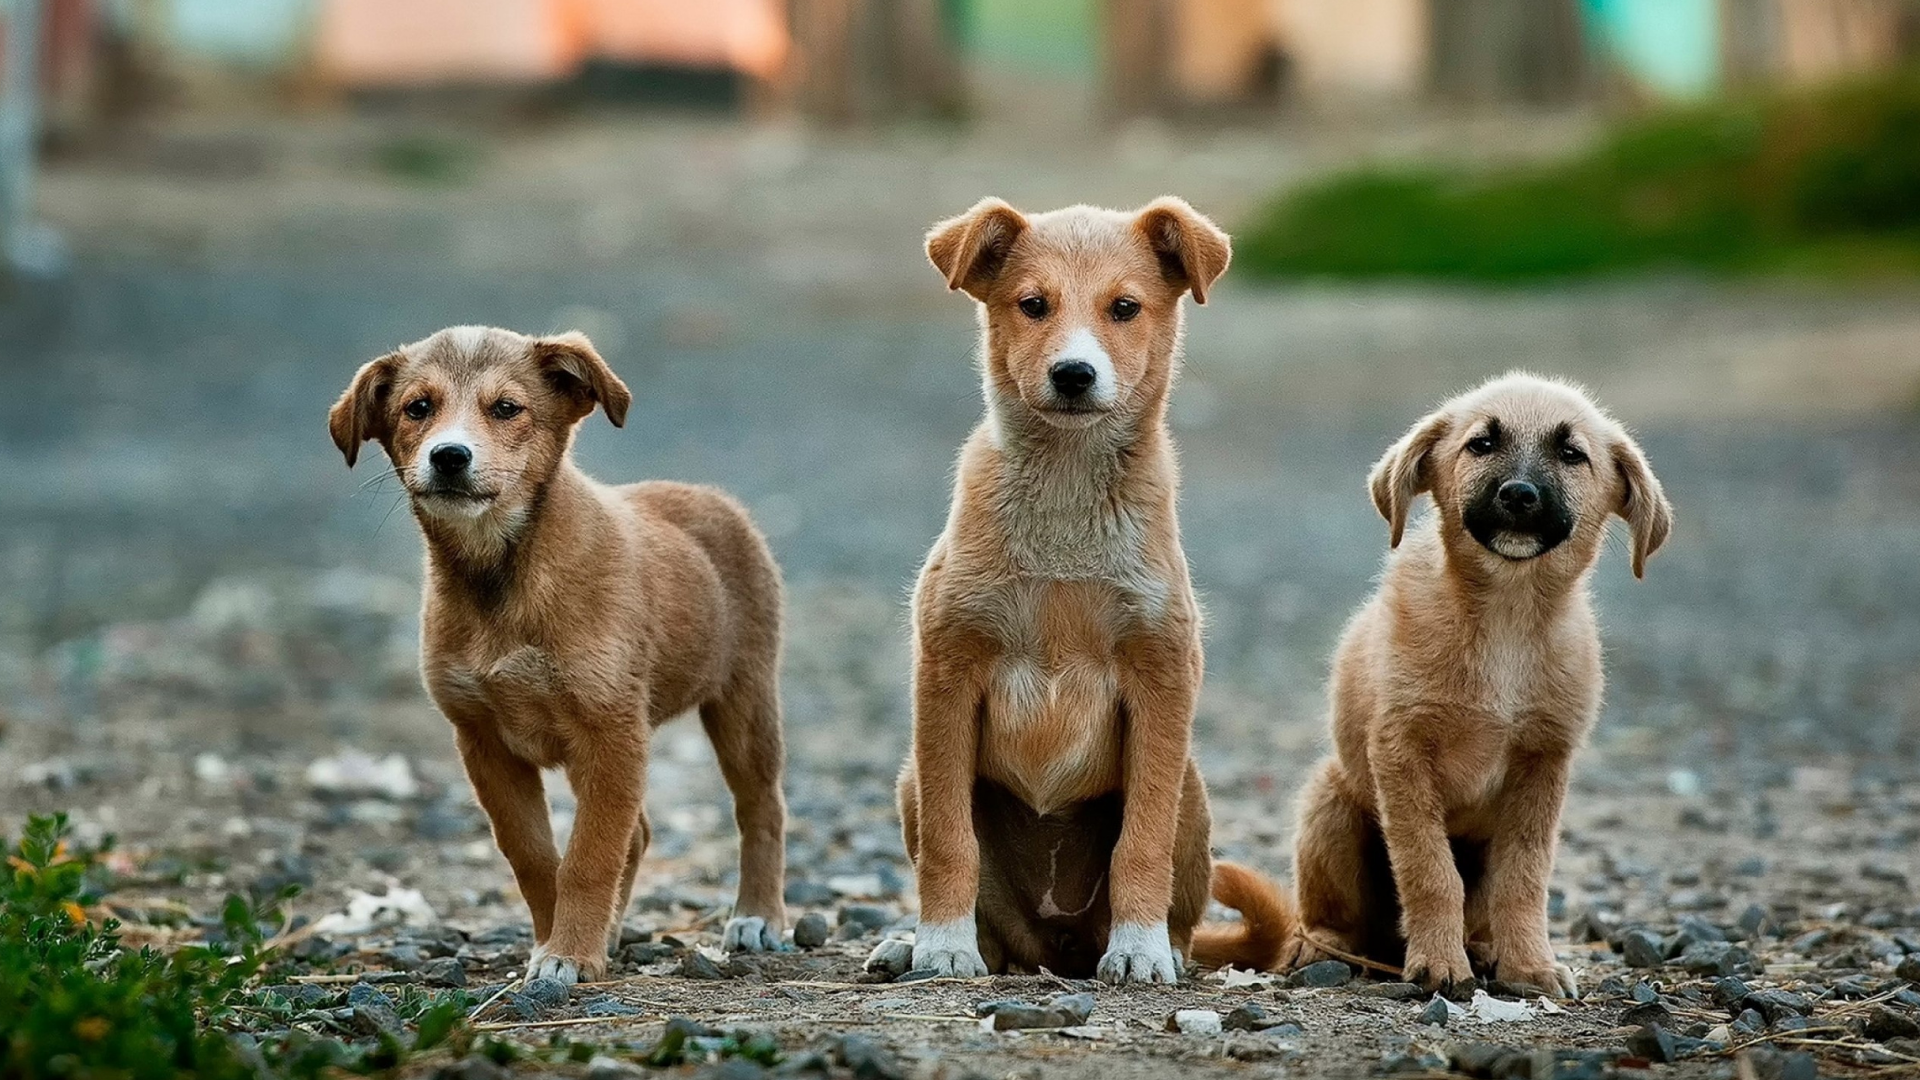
(1824, 182)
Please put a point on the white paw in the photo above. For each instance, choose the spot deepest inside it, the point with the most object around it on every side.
(893, 956)
(1139, 953)
(545, 965)
(949, 948)
(750, 933)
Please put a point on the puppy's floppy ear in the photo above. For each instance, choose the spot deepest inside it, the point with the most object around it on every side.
(1642, 502)
(1403, 472)
(360, 414)
(1192, 250)
(970, 250)
(571, 362)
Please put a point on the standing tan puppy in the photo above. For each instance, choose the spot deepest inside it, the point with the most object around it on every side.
(566, 619)
(1463, 687)
(1051, 806)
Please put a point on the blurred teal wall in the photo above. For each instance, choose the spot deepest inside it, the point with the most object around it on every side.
(1058, 38)
(1671, 47)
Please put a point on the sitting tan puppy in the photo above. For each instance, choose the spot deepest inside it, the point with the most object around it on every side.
(1463, 687)
(1051, 805)
(565, 619)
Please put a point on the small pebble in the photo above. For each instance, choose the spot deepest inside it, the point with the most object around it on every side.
(1654, 1044)
(1642, 948)
(1324, 973)
(811, 931)
(1437, 1012)
(1195, 1022)
(696, 965)
(444, 973)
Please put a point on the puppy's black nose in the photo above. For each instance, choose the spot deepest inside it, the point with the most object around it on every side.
(1071, 378)
(450, 459)
(1519, 496)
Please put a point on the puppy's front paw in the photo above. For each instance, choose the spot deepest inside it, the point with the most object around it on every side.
(750, 933)
(1138, 953)
(565, 970)
(1438, 969)
(949, 948)
(1553, 979)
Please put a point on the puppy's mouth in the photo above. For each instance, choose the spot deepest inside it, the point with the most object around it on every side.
(1072, 414)
(447, 500)
(1518, 546)
(1517, 541)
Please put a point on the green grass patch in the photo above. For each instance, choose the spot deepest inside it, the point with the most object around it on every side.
(1824, 183)
(77, 1004)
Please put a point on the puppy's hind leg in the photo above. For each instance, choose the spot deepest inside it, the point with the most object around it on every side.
(1330, 871)
(744, 725)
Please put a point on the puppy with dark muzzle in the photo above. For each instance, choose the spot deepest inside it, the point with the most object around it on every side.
(1463, 687)
(565, 619)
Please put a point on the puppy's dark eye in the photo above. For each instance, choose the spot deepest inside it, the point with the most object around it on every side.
(505, 410)
(1124, 309)
(1572, 454)
(1034, 306)
(419, 409)
(1482, 445)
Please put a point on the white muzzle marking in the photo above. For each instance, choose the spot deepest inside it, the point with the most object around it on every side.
(1083, 346)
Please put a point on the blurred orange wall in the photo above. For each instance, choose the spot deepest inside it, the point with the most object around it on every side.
(1369, 47)
(420, 42)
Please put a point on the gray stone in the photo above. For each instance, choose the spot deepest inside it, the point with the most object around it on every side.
(1882, 1023)
(1775, 1004)
(1393, 991)
(1324, 973)
(372, 1012)
(1730, 991)
(608, 1005)
(649, 952)
(867, 1059)
(811, 931)
(549, 992)
(1654, 1044)
(444, 973)
(892, 957)
(695, 965)
(1771, 1064)
(1908, 969)
(1716, 958)
(1249, 1016)
(1649, 1014)
(1437, 1012)
(1642, 948)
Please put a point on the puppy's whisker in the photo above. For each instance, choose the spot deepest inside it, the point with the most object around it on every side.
(397, 503)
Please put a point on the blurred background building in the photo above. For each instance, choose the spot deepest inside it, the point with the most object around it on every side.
(866, 60)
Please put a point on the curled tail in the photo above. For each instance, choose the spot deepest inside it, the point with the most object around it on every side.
(1266, 921)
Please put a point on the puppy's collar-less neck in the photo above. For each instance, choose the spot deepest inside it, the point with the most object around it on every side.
(487, 565)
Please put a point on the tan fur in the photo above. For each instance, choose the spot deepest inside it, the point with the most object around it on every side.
(1460, 692)
(1050, 792)
(564, 619)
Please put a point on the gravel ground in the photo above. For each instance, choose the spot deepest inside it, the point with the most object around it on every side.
(207, 625)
